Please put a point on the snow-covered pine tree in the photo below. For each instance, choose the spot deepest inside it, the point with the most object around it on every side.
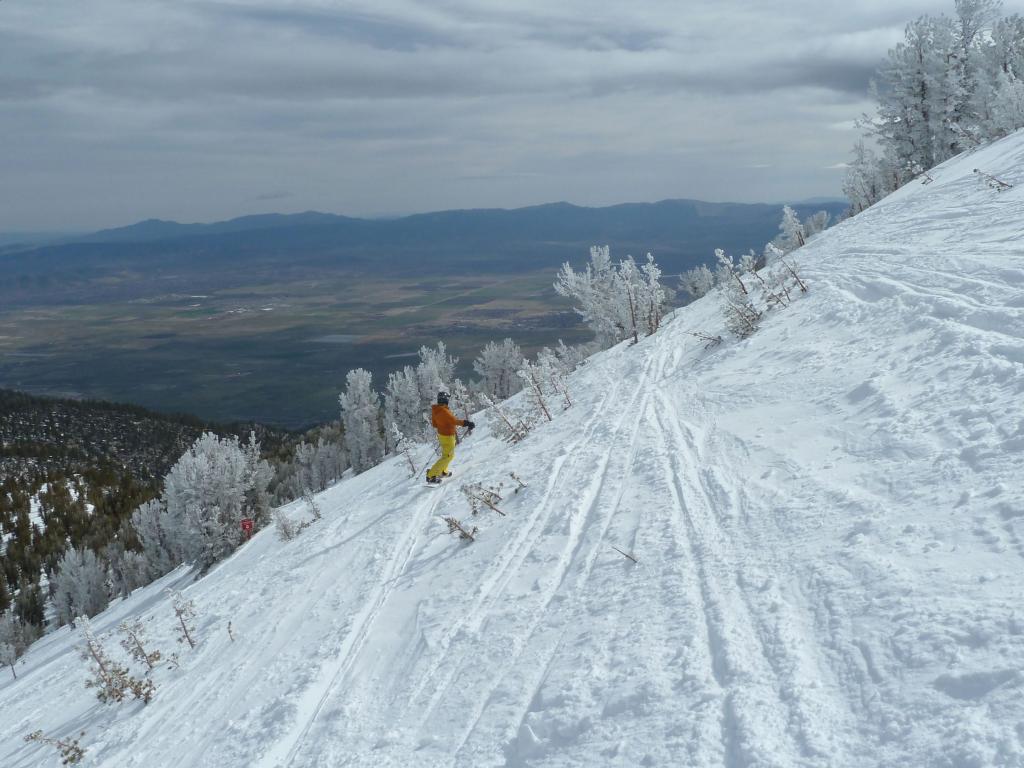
(697, 281)
(655, 296)
(209, 491)
(255, 482)
(80, 586)
(360, 415)
(404, 405)
(436, 370)
(128, 570)
(951, 84)
(816, 223)
(163, 538)
(497, 365)
(791, 231)
(600, 301)
(15, 638)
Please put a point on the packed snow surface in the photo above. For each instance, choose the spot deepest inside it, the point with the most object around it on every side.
(827, 518)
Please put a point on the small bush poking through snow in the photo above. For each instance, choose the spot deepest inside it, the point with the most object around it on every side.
(185, 610)
(111, 680)
(455, 526)
(132, 642)
(479, 497)
(71, 752)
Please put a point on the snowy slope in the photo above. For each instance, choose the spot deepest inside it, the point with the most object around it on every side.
(828, 518)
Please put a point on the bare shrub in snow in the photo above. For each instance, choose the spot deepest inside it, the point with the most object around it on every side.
(747, 292)
(508, 423)
(287, 529)
(480, 496)
(741, 316)
(111, 680)
(310, 501)
(991, 181)
(134, 635)
(709, 340)
(520, 485)
(71, 751)
(404, 446)
(456, 526)
(185, 610)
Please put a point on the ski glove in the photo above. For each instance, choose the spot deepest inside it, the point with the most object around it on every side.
(469, 424)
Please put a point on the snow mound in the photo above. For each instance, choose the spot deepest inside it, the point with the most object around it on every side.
(828, 519)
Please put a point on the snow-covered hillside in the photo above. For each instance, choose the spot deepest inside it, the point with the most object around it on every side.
(828, 520)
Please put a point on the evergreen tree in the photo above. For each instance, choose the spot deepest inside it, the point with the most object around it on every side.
(80, 586)
(404, 404)
(360, 415)
(209, 491)
(497, 365)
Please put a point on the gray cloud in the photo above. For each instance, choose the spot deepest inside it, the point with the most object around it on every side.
(119, 110)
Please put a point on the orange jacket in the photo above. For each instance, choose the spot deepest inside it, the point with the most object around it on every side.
(444, 420)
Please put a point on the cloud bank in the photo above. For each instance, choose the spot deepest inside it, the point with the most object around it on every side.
(117, 110)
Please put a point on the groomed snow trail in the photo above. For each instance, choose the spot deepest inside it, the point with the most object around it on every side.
(828, 520)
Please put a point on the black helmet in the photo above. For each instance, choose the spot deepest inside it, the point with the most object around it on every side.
(443, 397)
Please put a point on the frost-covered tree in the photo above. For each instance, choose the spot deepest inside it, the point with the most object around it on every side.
(655, 296)
(127, 570)
(80, 586)
(436, 371)
(165, 540)
(573, 356)
(216, 484)
(863, 184)
(597, 295)
(615, 301)
(360, 416)
(791, 231)
(951, 84)
(697, 281)
(315, 466)
(404, 405)
(741, 315)
(497, 365)
(816, 223)
(15, 638)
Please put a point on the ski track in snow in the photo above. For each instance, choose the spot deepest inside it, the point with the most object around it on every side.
(828, 521)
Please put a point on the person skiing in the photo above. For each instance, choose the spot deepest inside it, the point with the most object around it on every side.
(444, 422)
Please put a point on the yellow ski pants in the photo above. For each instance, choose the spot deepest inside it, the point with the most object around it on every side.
(447, 454)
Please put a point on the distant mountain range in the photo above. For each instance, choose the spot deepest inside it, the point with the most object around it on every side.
(681, 233)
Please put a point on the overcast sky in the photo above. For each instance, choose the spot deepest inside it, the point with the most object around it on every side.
(113, 111)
